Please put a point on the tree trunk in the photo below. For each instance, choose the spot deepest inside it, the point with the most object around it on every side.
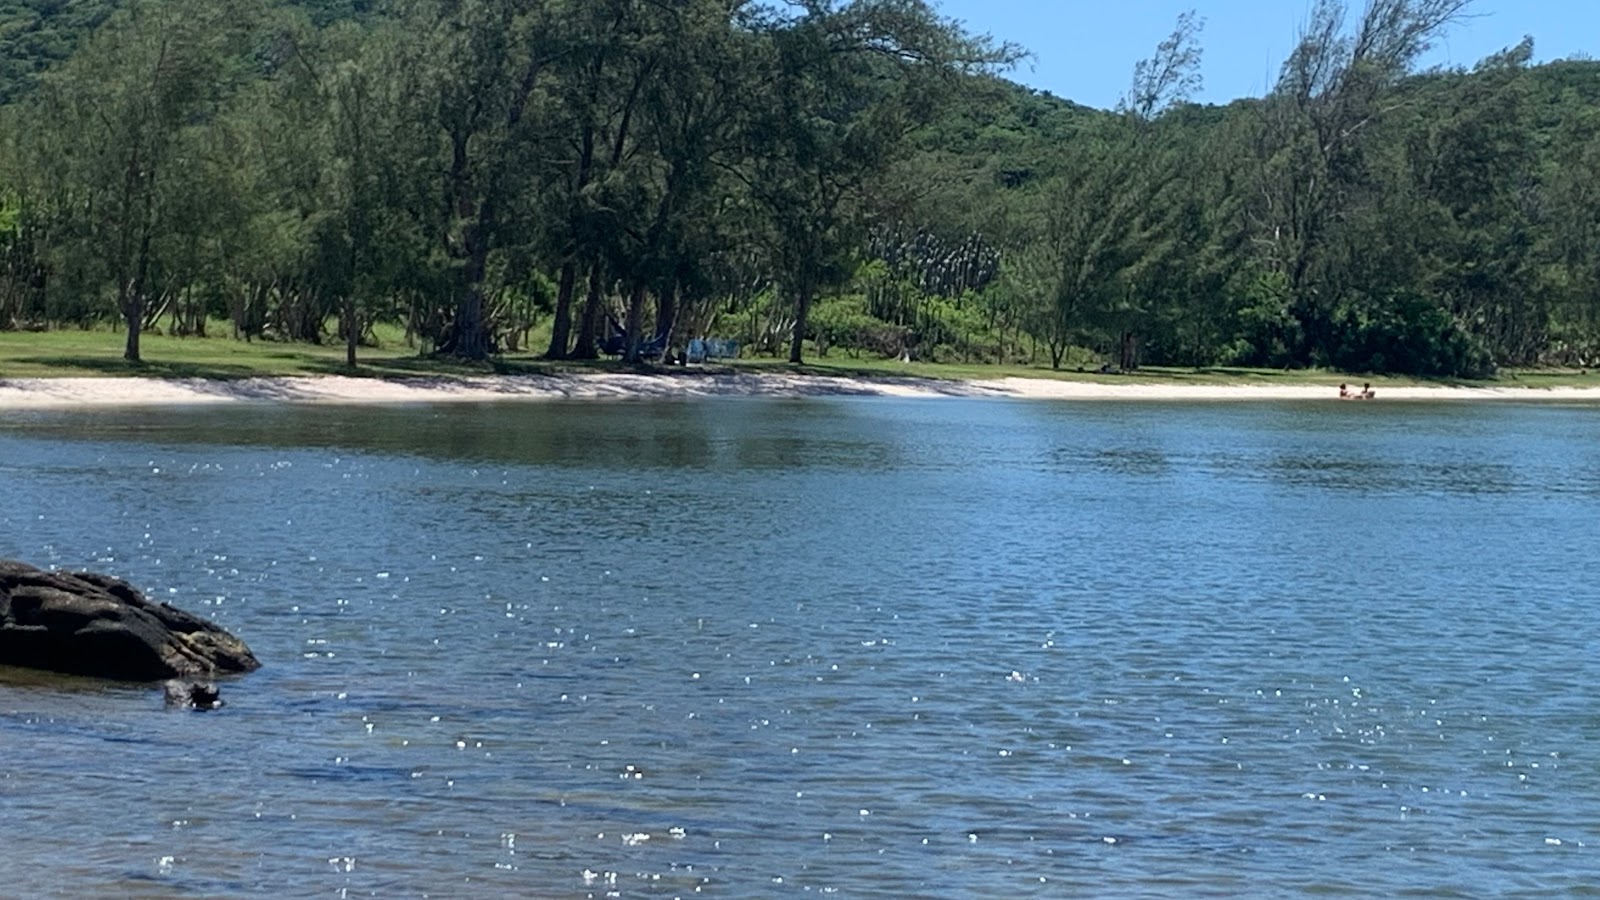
(133, 314)
(561, 328)
(666, 314)
(469, 337)
(132, 299)
(352, 330)
(199, 310)
(802, 312)
(635, 322)
(589, 325)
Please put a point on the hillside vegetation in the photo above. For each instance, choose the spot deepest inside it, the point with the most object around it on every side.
(847, 178)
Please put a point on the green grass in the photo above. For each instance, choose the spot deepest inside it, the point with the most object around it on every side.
(77, 353)
(68, 353)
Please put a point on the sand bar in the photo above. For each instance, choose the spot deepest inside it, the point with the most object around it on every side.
(88, 393)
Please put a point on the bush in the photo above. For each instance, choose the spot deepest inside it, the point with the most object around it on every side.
(844, 322)
(1268, 335)
(1408, 335)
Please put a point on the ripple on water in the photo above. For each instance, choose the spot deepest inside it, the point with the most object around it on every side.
(952, 649)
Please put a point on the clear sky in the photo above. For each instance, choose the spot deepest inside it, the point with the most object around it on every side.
(1085, 50)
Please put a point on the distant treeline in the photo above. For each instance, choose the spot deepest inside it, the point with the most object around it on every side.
(830, 176)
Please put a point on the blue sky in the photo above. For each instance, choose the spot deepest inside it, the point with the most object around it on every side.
(1085, 50)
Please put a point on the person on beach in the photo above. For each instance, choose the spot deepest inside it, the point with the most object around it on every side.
(1344, 392)
(1366, 391)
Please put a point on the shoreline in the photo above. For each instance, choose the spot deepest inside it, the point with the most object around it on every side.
(99, 393)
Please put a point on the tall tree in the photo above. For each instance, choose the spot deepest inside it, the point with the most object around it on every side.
(687, 122)
(120, 144)
(596, 94)
(1574, 204)
(485, 63)
(1476, 169)
(1108, 219)
(845, 84)
(1082, 241)
(1316, 127)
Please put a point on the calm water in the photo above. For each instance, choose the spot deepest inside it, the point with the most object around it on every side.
(755, 648)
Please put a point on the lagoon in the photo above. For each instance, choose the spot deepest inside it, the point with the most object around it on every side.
(853, 646)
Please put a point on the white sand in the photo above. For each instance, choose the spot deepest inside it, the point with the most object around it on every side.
(71, 393)
(1038, 388)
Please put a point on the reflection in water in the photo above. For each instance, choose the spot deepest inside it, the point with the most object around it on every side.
(1404, 475)
(1131, 462)
(667, 435)
(872, 647)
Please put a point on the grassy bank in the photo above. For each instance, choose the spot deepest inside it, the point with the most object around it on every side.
(76, 353)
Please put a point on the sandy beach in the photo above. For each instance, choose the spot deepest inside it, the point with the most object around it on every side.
(76, 393)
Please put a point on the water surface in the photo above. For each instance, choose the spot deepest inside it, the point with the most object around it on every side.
(865, 647)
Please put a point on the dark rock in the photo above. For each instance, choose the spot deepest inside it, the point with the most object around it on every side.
(193, 694)
(96, 625)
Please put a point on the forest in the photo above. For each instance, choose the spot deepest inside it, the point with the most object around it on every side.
(579, 178)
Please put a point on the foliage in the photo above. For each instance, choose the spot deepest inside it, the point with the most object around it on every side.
(1408, 335)
(838, 176)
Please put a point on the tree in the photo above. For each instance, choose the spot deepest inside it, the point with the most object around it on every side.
(689, 112)
(844, 85)
(1108, 218)
(1474, 163)
(1316, 127)
(694, 166)
(595, 99)
(1082, 243)
(363, 247)
(485, 62)
(120, 143)
(35, 36)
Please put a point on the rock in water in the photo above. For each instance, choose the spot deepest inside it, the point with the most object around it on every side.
(201, 695)
(96, 625)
